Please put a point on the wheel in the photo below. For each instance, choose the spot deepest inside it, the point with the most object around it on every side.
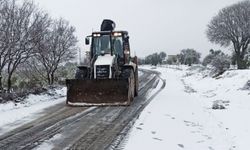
(136, 83)
(126, 73)
(81, 74)
(129, 74)
(132, 85)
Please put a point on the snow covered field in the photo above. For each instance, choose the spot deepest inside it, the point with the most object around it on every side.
(13, 115)
(196, 112)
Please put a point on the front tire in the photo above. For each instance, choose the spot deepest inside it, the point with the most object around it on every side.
(81, 74)
(129, 74)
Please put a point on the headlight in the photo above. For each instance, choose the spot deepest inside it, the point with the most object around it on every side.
(126, 52)
(96, 35)
(117, 34)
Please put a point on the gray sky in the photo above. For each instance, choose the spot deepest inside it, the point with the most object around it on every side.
(153, 25)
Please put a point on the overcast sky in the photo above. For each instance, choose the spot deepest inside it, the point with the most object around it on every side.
(153, 25)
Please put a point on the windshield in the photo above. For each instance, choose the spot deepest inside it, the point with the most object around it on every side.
(117, 46)
(101, 43)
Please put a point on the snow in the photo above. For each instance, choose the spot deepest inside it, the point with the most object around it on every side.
(14, 115)
(194, 111)
(140, 73)
(181, 115)
(48, 144)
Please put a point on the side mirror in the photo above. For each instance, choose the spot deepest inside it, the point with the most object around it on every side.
(87, 41)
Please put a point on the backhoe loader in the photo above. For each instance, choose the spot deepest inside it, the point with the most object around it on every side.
(111, 78)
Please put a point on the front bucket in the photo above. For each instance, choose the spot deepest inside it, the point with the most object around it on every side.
(97, 92)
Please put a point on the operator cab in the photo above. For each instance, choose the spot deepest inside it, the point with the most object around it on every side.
(114, 43)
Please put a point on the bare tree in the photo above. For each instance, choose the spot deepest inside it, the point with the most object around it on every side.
(21, 46)
(30, 38)
(232, 25)
(5, 27)
(58, 46)
(22, 34)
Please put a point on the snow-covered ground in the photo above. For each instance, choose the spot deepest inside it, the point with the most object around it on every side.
(13, 115)
(185, 114)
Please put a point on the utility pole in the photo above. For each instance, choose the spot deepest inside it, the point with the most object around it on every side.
(79, 53)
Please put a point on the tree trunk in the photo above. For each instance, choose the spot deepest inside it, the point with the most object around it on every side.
(9, 83)
(1, 84)
(48, 78)
(241, 63)
(52, 78)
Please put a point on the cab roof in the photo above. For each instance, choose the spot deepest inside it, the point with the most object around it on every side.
(109, 32)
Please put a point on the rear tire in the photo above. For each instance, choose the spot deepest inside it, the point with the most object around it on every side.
(132, 84)
(136, 83)
(129, 74)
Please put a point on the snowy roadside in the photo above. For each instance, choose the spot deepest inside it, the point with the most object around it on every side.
(181, 116)
(13, 115)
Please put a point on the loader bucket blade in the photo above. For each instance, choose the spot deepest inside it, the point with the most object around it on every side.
(97, 92)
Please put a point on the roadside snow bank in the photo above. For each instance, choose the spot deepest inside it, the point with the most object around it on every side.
(13, 115)
(182, 115)
(231, 91)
